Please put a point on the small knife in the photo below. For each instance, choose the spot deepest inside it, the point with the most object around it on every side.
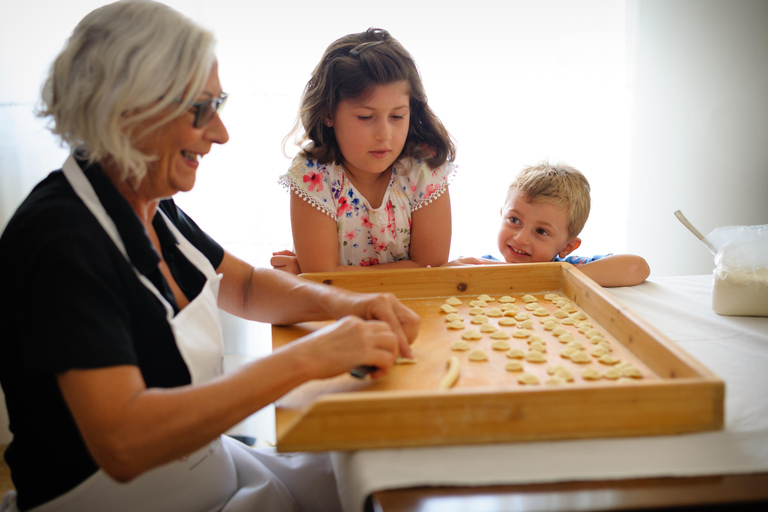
(361, 371)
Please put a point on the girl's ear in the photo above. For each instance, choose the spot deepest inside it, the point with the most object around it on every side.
(571, 246)
(328, 122)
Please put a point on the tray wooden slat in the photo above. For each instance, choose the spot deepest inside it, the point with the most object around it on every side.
(676, 395)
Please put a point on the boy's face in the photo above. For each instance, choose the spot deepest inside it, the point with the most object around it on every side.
(533, 232)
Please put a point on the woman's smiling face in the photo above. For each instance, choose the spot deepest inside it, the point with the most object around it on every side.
(179, 146)
(533, 232)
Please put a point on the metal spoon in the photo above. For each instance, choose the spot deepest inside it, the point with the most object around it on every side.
(695, 231)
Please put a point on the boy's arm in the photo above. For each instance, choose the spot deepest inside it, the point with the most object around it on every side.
(617, 270)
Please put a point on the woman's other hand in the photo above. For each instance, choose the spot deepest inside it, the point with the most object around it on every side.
(350, 342)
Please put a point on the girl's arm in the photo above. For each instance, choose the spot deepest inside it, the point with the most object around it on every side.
(431, 232)
(317, 245)
(617, 270)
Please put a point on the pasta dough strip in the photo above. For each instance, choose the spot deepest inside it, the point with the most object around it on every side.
(452, 375)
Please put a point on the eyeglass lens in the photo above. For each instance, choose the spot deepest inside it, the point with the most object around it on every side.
(206, 110)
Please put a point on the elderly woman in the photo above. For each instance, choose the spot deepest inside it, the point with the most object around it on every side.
(111, 344)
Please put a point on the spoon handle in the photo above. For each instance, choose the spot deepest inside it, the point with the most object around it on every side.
(695, 231)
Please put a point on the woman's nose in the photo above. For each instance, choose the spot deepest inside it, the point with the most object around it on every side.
(215, 131)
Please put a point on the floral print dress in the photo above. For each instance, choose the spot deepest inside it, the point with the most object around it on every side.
(369, 236)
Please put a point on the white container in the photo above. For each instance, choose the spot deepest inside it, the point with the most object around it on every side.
(741, 294)
(741, 273)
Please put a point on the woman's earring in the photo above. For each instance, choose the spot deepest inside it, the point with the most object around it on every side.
(328, 123)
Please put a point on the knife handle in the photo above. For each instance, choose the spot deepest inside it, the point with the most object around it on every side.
(361, 371)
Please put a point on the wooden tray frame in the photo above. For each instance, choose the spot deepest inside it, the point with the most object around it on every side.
(686, 397)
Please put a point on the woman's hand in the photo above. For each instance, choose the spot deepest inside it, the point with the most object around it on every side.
(343, 345)
(286, 261)
(385, 307)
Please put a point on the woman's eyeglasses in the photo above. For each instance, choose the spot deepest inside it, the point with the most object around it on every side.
(205, 110)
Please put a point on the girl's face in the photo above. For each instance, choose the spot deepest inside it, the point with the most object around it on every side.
(534, 232)
(179, 146)
(371, 131)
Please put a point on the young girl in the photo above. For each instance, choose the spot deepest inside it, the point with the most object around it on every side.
(371, 187)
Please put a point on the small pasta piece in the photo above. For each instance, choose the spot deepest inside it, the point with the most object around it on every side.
(500, 345)
(527, 378)
(447, 308)
(581, 357)
(590, 373)
(499, 335)
(608, 359)
(478, 355)
(460, 345)
(471, 335)
(535, 356)
(525, 324)
(488, 327)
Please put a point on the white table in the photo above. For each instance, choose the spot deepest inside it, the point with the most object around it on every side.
(735, 348)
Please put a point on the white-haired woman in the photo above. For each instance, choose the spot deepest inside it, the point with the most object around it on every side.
(111, 344)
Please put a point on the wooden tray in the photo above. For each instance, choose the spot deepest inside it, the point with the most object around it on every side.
(676, 394)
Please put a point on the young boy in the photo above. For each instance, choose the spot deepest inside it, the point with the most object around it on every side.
(545, 209)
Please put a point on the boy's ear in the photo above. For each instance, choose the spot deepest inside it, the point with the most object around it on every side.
(571, 246)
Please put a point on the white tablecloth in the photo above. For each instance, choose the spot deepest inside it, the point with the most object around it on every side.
(735, 348)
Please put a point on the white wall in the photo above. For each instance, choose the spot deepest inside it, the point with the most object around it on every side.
(700, 126)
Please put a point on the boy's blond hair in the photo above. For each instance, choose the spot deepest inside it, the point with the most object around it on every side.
(559, 184)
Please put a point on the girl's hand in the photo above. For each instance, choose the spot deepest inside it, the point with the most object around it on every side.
(379, 306)
(341, 346)
(285, 261)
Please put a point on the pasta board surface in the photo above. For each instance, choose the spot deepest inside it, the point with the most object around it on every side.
(675, 393)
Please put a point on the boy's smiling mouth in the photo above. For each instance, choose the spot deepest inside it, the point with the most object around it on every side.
(518, 251)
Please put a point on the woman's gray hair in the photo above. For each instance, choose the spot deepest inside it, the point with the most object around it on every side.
(125, 63)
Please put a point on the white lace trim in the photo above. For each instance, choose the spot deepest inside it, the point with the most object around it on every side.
(437, 193)
(289, 185)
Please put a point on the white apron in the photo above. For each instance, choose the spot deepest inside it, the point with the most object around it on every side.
(223, 476)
